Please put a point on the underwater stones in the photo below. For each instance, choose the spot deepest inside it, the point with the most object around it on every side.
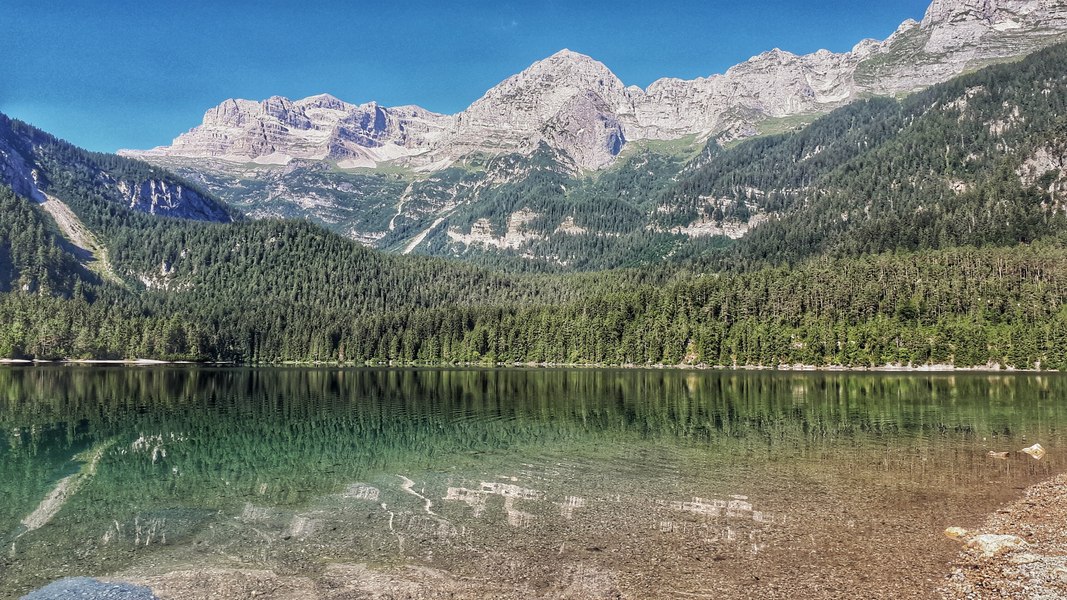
(1037, 451)
(362, 491)
(988, 544)
(956, 533)
(85, 588)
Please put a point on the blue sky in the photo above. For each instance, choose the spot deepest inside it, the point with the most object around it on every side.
(134, 74)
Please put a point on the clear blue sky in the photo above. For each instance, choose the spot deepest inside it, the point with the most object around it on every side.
(112, 74)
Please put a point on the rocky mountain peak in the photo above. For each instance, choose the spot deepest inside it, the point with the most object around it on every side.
(564, 69)
(571, 90)
(568, 54)
(325, 101)
(565, 90)
(964, 26)
(569, 60)
(321, 127)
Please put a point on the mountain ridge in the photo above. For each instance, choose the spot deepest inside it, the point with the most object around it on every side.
(581, 94)
(663, 199)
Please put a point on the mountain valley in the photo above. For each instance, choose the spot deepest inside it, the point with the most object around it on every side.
(919, 230)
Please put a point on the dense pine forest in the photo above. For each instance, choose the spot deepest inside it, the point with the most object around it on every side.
(282, 291)
(923, 231)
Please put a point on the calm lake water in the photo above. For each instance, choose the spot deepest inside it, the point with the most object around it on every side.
(517, 483)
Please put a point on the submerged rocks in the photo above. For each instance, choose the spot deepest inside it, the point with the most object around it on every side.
(956, 533)
(986, 544)
(1036, 451)
(85, 588)
(1021, 551)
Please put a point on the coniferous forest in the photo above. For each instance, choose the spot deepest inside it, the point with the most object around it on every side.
(909, 232)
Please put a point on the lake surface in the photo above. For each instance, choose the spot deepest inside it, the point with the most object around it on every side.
(516, 483)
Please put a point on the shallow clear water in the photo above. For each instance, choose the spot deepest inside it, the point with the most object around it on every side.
(530, 483)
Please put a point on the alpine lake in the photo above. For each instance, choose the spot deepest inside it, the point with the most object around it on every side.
(512, 483)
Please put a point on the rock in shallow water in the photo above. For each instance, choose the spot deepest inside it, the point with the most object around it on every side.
(1036, 451)
(85, 588)
(956, 533)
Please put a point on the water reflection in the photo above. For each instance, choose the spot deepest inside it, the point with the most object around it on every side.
(168, 467)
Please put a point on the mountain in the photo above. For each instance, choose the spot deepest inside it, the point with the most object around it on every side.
(975, 160)
(575, 104)
(567, 128)
(81, 192)
(978, 161)
(277, 131)
(38, 165)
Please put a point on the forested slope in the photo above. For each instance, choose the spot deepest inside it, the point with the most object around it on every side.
(284, 291)
(978, 160)
(36, 164)
(32, 257)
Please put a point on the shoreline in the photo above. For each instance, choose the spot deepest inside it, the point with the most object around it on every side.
(133, 362)
(1019, 551)
(887, 368)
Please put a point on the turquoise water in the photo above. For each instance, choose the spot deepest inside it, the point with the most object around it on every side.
(537, 483)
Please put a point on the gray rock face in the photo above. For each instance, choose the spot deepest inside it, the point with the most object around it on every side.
(954, 20)
(958, 35)
(576, 104)
(278, 130)
(160, 197)
(16, 173)
(568, 100)
(586, 128)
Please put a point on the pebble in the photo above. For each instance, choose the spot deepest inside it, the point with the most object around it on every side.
(956, 532)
